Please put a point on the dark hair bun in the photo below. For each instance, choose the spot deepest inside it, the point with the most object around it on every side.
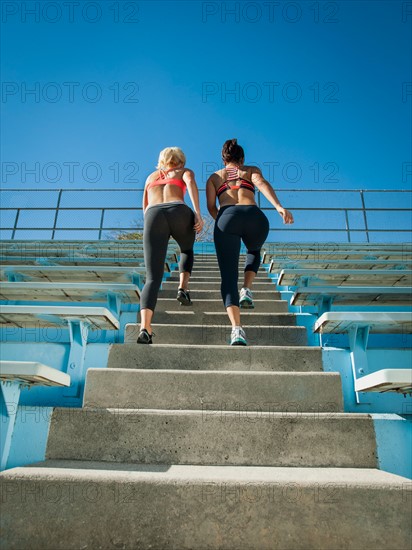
(232, 152)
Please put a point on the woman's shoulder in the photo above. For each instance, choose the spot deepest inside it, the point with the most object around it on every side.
(153, 176)
(188, 171)
(250, 168)
(219, 173)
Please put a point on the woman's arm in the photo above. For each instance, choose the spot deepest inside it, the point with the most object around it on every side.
(145, 197)
(268, 191)
(189, 179)
(211, 197)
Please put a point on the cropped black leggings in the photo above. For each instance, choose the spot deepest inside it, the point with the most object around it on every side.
(235, 224)
(160, 223)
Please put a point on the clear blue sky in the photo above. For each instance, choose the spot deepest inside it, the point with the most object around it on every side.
(182, 56)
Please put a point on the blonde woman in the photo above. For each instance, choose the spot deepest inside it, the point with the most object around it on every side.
(166, 215)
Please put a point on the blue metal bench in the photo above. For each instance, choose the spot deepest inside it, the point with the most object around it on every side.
(325, 251)
(58, 273)
(112, 293)
(358, 326)
(325, 296)
(78, 319)
(353, 277)
(15, 375)
(278, 264)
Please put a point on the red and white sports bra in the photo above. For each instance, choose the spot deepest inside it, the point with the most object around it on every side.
(233, 175)
(163, 180)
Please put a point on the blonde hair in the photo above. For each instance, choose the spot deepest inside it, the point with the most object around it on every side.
(171, 157)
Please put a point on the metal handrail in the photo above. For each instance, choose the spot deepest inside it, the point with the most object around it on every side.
(104, 209)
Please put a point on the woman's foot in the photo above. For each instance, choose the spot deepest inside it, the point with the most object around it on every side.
(238, 337)
(183, 297)
(144, 337)
(246, 299)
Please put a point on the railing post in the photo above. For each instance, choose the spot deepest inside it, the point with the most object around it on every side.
(365, 219)
(57, 212)
(347, 225)
(101, 224)
(15, 223)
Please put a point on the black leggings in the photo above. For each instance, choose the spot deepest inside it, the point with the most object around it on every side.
(235, 224)
(160, 223)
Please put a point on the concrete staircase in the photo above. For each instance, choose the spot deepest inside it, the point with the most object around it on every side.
(192, 444)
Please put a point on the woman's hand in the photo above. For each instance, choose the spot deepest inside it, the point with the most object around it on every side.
(198, 226)
(286, 215)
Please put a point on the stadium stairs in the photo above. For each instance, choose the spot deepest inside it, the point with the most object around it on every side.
(193, 444)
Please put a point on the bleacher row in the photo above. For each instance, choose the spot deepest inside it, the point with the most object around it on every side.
(80, 286)
(70, 272)
(55, 283)
(375, 278)
(70, 283)
(89, 286)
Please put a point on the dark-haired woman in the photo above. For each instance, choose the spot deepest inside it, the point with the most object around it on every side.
(239, 219)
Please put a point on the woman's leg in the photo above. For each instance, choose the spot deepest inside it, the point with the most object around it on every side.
(248, 279)
(227, 241)
(227, 250)
(233, 313)
(184, 277)
(255, 234)
(155, 239)
(181, 220)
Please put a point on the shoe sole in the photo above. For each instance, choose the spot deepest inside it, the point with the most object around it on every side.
(238, 343)
(247, 305)
(143, 342)
(183, 301)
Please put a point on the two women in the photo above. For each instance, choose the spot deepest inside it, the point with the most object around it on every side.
(237, 219)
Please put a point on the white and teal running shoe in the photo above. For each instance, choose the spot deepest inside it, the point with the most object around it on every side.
(238, 337)
(246, 299)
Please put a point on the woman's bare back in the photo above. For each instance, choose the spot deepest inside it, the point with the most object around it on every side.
(165, 193)
(234, 196)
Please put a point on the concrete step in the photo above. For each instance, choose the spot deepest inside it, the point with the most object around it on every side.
(213, 390)
(206, 294)
(67, 505)
(212, 334)
(206, 268)
(209, 267)
(198, 262)
(185, 316)
(317, 439)
(263, 306)
(233, 358)
(214, 276)
(215, 285)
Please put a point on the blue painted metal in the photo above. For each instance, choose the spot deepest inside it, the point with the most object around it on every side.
(78, 339)
(15, 277)
(307, 320)
(10, 394)
(114, 303)
(358, 342)
(394, 443)
(31, 425)
(339, 360)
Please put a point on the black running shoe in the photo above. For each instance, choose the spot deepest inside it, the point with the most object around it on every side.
(183, 297)
(144, 337)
